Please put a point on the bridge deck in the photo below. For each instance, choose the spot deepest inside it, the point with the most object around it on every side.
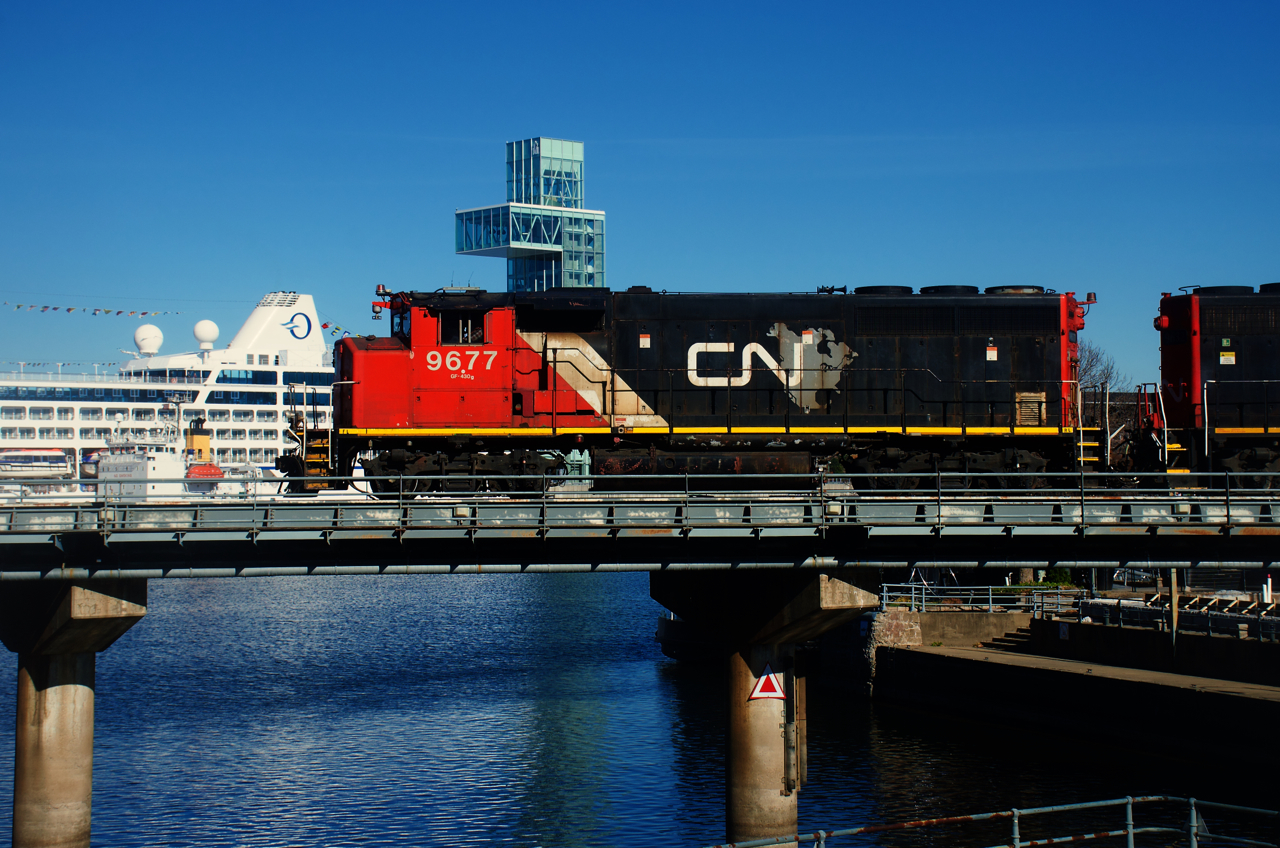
(829, 525)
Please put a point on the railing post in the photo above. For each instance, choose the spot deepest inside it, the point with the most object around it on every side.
(1082, 500)
(1128, 821)
(1017, 837)
(939, 517)
(1191, 825)
(1228, 487)
(990, 600)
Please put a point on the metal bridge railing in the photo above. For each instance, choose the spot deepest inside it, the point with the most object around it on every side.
(898, 504)
(1196, 830)
(922, 597)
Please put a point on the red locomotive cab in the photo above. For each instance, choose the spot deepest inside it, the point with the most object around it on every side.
(461, 368)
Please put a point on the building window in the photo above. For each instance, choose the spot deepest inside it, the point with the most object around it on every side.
(248, 359)
(239, 455)
(219, 415)
(26, 432)
(222, 435)
(224, 455)
(264, 359)
(267, 415)
(242, 415)
(269, 455)
(192, 414)
(271, 435)
(65, 433)
(46, 432)
(144, 415)
(90, 413)
(112, 412)
(66, 413)
(41, 413)
(237, 435)
(8, 432)
(255, 435)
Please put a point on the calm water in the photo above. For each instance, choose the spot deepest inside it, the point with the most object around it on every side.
(532, 710)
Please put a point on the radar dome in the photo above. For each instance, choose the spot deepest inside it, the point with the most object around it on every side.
(148, 339)
(206, 332)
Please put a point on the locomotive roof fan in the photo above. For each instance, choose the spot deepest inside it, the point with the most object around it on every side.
(883, 290)
(1015, 290)
(1216, 290)
(949, 290)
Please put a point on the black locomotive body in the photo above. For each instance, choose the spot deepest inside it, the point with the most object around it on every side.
(878, 381)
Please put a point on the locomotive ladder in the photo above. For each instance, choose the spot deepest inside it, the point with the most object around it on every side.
(1093, 442)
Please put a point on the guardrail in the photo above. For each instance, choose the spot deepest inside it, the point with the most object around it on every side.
(1196, 829)
(727, 504)
(922, 597)
(1261, 622)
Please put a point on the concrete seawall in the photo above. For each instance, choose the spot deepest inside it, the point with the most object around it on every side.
(1197, 654)
(1104, 699)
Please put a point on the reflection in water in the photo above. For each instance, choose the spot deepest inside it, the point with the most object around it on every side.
(530, 710)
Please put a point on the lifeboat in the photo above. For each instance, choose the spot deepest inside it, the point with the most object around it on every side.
(204, 471)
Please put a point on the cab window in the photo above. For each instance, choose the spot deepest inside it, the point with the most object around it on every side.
(461, 327)
(400, 324)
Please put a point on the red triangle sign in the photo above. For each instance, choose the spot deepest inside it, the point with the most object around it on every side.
(767, 686)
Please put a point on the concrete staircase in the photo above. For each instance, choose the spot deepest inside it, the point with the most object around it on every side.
(1014, 642)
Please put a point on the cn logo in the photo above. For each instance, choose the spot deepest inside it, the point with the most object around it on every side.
(299, 326)
(790, 380)
(809, 362)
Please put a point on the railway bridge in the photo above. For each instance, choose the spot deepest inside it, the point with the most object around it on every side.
(762, 566)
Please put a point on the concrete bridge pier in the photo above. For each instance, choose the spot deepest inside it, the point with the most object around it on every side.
(760, 617)
(57, 629)
(761, 758)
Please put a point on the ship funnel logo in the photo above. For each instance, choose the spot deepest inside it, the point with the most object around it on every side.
(299, 326)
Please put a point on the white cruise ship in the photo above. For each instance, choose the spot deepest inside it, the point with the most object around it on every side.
(278, 362)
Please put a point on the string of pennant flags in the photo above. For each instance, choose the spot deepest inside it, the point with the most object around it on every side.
(334, 329)
(32, 307)
(42, 364)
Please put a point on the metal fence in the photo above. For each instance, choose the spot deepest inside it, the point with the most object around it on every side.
(1263, 823)
(923, 597)
(1255, 620)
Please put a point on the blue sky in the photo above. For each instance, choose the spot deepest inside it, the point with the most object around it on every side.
(195, 156)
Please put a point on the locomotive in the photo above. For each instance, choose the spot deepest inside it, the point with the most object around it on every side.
(473, 385)
(1213, 409)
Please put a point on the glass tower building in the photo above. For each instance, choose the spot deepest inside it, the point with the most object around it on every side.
(548, 237)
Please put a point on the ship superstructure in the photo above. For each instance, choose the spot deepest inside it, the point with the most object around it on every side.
(276, 364)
